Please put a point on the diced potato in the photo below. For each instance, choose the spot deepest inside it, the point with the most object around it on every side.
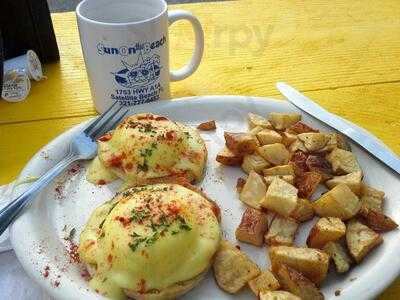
(326, 230)
(280, 170)
(339, 256)
(232, 268)
(240, 184)
(313, 263)
(278, 295)
(307, 183)
(276, 153)
(376, 220)
(296, 283)
(304, 210)
(298, 161)
(372, 198)
(281, 232)
(318, 163)
(209, 125)
(342, 142)
(268, 136)
(254, 162)
(339, 202)
(297, 145)
(343, 162)
(288, 178)
(301, 127)
(331, 144)
(255, 120)
(288, 138)
(252, 227)
(264, 282)
(253, 191)
(314, 141)
(361, 239)
(255, 130)
(352, 180)
(241, 143)
(228, 158)
(271, 216)
(281, 197)
(281, 121)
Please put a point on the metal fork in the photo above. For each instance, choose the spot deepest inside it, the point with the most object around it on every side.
(82, 146)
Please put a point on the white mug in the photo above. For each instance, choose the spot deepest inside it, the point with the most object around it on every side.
(125, 47)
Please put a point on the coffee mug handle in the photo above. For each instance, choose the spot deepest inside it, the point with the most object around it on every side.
(192, 66)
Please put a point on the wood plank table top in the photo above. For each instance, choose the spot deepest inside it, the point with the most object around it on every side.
(343, 54)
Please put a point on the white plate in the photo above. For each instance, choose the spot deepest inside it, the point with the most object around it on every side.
(37, 236)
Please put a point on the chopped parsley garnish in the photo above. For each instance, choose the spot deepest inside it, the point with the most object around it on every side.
(139, 215)
(144, 167)
(187, 134)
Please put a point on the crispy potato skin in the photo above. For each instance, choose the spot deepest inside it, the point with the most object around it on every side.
(252, 227)
(278, 295)
(228, 158)
(301, 127)
(296, 283)
(232, 268)
(303, 211)
(376, 220)
(307, 183)
(240, 184)
(207, 126)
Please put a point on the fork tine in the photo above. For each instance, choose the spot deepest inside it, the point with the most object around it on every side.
(108, 125)
(95, 122)
(103, 122)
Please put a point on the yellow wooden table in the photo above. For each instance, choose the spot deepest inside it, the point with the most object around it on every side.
(343, 54)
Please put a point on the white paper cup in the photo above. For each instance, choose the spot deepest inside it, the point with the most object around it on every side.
(28, 63)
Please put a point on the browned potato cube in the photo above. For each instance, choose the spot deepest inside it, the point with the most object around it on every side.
(372, 198)
(297, 145)
(318, 163)
(288, 178)
(307, 183)
(300, 127)
(281, 121)
(280, 170)
(268, 136)
(241, 143)
(376, 220)
(255, 130)
(342, 142)
(206, 126)
(253, 191)
(361, 239)
(288, 138)
(331, 144)
(278, 295)
(281, 232)
(339, 256)
(240, 184)
(339, 202)
(352, 180)
(326, 230)
(232, 268)
(281, 197)
(343, 162)
(303, 211)
(252, 227)
(254, 162)
(264, 282)
(255, 120)
(228, 158)
(314, 141)
(311, 262)
(299, 285)
(276, 154)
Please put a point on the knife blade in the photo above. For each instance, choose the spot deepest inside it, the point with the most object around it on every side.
(368, 142)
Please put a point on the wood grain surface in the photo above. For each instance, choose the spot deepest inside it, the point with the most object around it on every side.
(343, 54)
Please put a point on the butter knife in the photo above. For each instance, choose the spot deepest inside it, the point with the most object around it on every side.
(368, 142)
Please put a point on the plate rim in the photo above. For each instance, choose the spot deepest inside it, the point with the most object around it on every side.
(371, 292)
